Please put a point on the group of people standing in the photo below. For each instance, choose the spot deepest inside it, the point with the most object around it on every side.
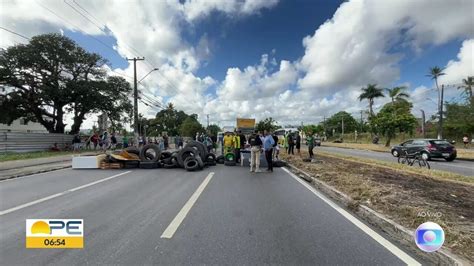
(292, 140)
(265, 142)
(234, 142)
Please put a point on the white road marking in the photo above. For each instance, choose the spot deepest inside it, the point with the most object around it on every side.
(19, 207)
(173, 226)
(382, 241)
(25, 176)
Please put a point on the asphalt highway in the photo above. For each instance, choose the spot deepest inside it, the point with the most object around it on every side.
(457, 166)
(221, 215)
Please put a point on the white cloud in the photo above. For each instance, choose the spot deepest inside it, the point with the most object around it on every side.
(355, 46)
(457, 70)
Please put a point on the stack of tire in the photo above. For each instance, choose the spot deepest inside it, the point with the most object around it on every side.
(192, 157)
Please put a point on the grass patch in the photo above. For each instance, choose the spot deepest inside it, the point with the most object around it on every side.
(401, 193)
(462, 153)
(12, 156)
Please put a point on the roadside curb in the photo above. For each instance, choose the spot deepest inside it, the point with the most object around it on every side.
(399, 233)
(2, 178)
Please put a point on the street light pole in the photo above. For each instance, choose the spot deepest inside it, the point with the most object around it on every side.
(423, 130)
(440, 124)
(135, 95)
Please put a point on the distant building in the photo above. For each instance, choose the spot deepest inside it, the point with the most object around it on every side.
(21, 125)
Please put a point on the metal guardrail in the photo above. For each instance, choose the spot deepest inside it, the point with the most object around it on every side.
(26, 142)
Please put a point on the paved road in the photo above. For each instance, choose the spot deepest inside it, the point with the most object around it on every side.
(239, 218)
(457, 166)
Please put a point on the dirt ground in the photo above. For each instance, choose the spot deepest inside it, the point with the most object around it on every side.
(408, 199)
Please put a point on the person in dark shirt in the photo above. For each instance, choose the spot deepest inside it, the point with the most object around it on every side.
(255, 147)
(298, 144)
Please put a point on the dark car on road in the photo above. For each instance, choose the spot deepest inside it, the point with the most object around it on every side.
(429, 148)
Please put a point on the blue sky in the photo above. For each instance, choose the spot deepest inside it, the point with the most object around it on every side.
(319, 53)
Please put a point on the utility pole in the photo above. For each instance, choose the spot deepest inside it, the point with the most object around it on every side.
(440, 125)
(342, 128)
(135, 95)
(423, 123)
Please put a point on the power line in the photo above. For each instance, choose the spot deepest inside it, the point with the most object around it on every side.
(16, 33)
(103, 25)
(75, 26)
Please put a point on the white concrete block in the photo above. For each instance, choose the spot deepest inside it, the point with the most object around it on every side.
(85, 162)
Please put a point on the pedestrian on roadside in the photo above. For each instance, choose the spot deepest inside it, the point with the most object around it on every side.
(298, 144)
(180, 142)
(95, 140)
(76, 143)
(165, 141)
(285, 142)
(236, 141)
(276, 147)
(310, 143)
(243, 140)
(465, 140)
(268, 147)
(125, 141)
(255, 147)
(113, 141)
(161, 143)
(105, 141)
(291, 144)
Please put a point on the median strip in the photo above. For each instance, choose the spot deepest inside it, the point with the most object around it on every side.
(173, 226)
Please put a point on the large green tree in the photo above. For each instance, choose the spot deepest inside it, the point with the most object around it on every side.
(213, 129)
(191, 126)
(268, 124)
(51, 76)
(336, 120)
(371, 92)
(168, 120)
(393, 119)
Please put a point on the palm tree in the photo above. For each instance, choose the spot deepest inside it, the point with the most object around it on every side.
(370, 93)
(398, 94)
(467, 86)
(435, 72)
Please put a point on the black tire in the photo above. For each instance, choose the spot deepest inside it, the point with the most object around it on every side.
(220, 159)
(133, 150)
(131, 164)
(145, 157)
(229, 157)
(395, 153)
(402, 160)
(229, 163)
(450, 158)
(149, 165)
(425, 156)
(279, 164)
(166, 161)
(199, 146)
(191, 164)
(200, 162)
(185, 153)
(169, 166)
(165, 155)
(423, 163)
(211, 157)
(211, 163)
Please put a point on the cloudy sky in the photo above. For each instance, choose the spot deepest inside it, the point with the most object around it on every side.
(294, 60)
